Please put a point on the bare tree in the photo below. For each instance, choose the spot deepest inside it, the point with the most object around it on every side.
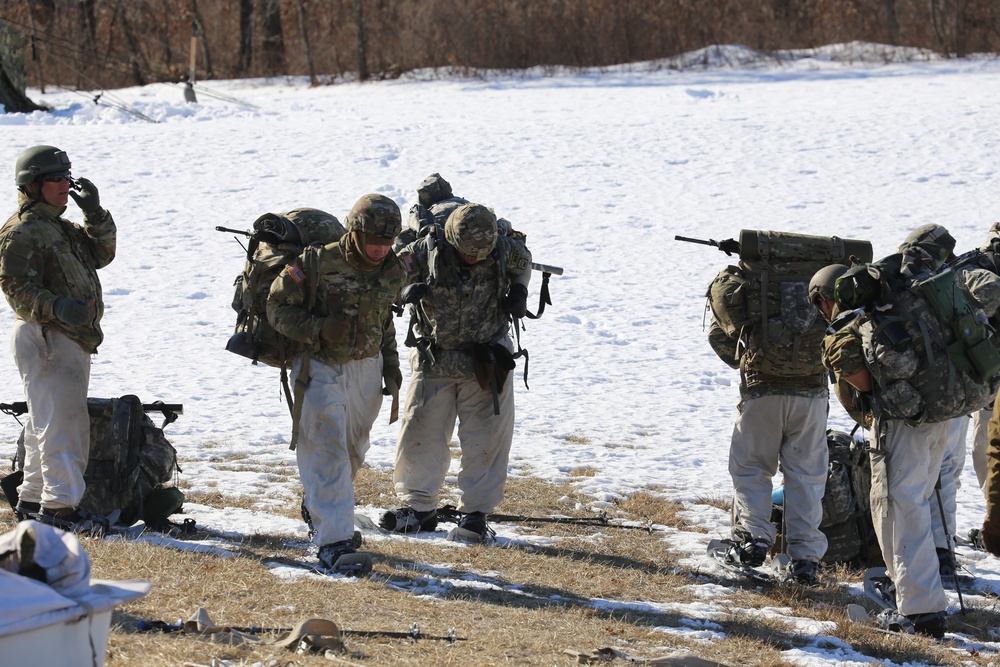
(359, 21)
(273, 40)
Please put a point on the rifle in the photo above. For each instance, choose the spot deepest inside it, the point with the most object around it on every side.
(21, 407)
(449, 513)
(413, 633)
(729, 246)
(542, 268)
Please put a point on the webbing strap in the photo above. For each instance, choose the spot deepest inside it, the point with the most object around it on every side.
(543, 297)
(310, 260)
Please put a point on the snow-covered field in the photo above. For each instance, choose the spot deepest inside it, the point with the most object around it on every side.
(599, 169)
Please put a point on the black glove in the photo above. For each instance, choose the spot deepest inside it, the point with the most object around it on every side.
(730, 246)
(415, 292)
(71, 311)
(393, 378)
(516, 301)
(89, 200)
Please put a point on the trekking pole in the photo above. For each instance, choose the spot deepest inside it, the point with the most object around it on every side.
(951, 545)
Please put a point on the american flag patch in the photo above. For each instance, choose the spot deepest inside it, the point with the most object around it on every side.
(408, 262)
(296, 273)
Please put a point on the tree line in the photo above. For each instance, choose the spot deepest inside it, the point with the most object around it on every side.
(93, 44)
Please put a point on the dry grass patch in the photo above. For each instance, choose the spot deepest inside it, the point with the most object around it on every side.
(583, 471)
(721, 500)
(577, 440)
(655, 509)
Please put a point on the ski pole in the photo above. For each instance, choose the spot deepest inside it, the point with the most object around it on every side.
(951, 546)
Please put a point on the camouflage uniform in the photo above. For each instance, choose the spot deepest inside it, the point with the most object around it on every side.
(462, 309)
(44, 257)
(344, 393)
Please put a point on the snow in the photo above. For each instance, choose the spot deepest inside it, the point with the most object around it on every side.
(600, 169)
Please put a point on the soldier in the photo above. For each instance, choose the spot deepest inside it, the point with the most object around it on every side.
(48, 273)
(351, 340)
(907, 458)
(465, 286)
(781, 421)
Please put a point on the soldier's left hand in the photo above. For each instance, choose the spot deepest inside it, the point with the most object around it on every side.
(89, 199)
(730, 246)
(393, 379)
(516, 301)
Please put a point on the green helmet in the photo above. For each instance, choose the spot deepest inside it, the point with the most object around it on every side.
(433, 189)
(472, 230)
(375, 214)
(934, 239)
(823, 281)
(39, 161)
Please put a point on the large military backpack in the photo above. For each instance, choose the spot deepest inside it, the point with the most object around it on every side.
(847, 520)
(763, 321)
(926, 342)
(132, 469)
(277, 240)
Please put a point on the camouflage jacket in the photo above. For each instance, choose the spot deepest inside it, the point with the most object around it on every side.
(364, 298)
(465, 302)
(843, 356)
(44, 257)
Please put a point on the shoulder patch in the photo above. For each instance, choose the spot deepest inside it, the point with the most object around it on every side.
(296, 273)
(408, 263)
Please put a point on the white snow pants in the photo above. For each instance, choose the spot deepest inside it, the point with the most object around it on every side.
(951, 481)
(433, 403)
(980, 443)
(55, 371)
(790, 430)
(905, 467)
(338, 409)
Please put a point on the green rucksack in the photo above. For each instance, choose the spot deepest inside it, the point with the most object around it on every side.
(926, 343)
(761, 305)
(132, 468)
(277, 240)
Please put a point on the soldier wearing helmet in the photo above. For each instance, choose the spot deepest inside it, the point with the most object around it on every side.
(466, 285)
(48, 273)
(337, 301)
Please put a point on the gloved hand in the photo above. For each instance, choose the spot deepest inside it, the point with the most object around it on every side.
(71, 311)
(516, 301)
(89, 200)
(393, 379)
(334, 328)
(991, 535)
(415, 292)
(730, 246)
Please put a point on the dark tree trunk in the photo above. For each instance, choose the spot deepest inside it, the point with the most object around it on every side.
(362, 58)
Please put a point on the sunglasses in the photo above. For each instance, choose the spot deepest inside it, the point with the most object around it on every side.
(57, 177)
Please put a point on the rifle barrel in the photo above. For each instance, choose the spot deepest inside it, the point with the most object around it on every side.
(688, 239)
(21, 408)
(243, 232)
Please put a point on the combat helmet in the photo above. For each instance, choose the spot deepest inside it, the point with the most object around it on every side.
(933, 239)
(823, 281)
(377, 215)
(472, 230)
(432, 190)
(40, 161)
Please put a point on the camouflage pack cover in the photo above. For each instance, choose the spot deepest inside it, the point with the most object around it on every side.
(130, 458)
(763, 302)
(847, 521)
(285, 236)
(929, 366)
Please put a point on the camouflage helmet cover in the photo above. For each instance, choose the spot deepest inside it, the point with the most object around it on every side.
(433, 189)
(932, 238)
(472, 230)
(377, 215)
(823, 281)
(39, 161)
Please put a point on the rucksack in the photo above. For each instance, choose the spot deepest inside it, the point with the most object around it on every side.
(131, 464)
(761, 305)
(926, 342)
(277, 240)
(847, 521)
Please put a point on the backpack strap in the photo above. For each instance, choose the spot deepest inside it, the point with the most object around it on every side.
(310, 264)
